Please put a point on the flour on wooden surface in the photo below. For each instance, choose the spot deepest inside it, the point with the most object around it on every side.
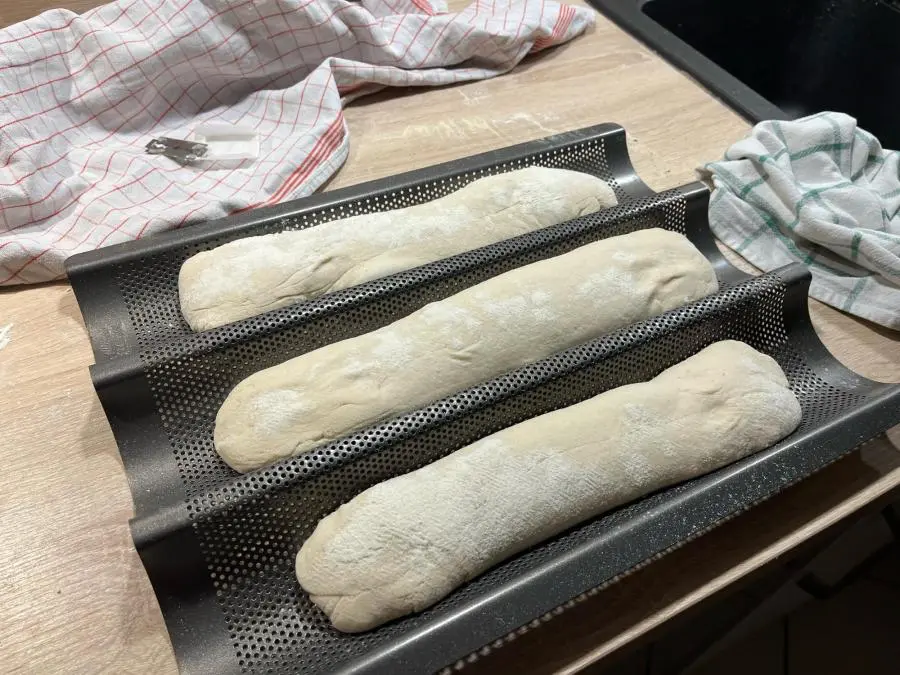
(5, 335)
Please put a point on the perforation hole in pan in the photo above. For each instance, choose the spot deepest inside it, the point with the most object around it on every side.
(251, 529)
(150, 285)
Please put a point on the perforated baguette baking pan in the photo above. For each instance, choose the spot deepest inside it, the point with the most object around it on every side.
(219, 547)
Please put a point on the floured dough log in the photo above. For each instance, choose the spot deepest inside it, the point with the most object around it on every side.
(484, 331)
(254, 275)
(404, 544)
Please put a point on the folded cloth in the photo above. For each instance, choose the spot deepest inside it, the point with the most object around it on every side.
(823, 192)
(80, 97)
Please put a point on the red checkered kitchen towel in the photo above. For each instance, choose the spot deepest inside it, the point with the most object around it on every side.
(80, 96)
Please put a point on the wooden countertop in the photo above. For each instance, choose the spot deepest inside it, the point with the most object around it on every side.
(73, 593)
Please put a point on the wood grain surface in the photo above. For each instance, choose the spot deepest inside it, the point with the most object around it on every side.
(74, 597)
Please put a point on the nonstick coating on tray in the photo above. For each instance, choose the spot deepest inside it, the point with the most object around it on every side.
(219, 547)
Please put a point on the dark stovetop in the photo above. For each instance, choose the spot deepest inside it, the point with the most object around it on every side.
(781, 59)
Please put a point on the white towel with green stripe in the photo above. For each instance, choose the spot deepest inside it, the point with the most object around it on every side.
(823, 192)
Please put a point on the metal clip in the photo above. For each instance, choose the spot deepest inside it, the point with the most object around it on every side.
(177, 149)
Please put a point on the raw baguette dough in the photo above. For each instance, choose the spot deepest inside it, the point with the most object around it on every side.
(404, 544)
(496, 326)
(257, 274)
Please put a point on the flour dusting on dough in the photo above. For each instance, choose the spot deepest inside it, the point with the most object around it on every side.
(449, 317)
(275, 410)
(508, 309)
(392, 350)
(602, 285)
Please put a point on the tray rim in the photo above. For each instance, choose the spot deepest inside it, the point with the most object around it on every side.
(630, 17)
